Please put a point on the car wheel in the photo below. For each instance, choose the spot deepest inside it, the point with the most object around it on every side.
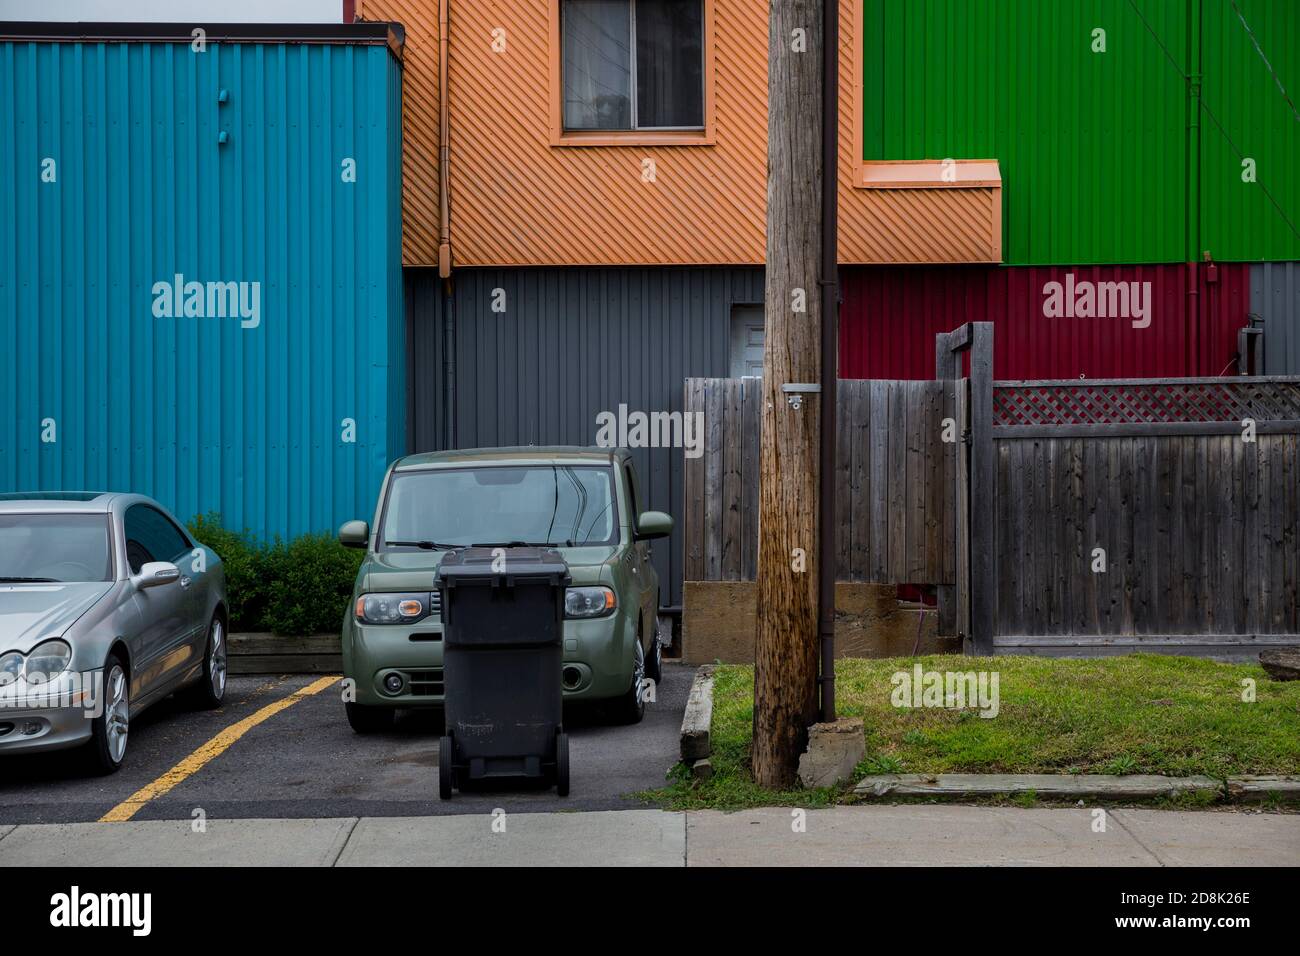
(108, 735)
(654, 665)
(630, 708)
(210, 691)
(370, 720)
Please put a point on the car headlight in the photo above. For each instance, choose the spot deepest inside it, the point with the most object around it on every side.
(11, 665)
(393, 608)
(589, 602)
(48, 661)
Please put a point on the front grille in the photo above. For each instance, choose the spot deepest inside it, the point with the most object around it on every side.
(425, 683)
(435, 603)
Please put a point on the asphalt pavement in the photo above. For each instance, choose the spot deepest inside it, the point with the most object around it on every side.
(305, 762)
(277, 777)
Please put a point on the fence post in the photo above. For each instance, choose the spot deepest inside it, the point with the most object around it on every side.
(981, 585)
(983, 573)
(945, 357)
(946, 595)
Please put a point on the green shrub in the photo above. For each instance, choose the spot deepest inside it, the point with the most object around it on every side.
(245, 565)
(302, 587)
(311, 581)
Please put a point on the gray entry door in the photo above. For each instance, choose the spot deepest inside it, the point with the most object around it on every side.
(746, 340)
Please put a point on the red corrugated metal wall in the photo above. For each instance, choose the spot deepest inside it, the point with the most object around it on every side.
(890, 316)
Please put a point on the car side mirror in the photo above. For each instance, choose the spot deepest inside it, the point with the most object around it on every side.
(155, 574)
(354, 534)
(653, 524)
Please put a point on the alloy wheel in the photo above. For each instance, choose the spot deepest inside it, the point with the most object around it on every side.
(638, 672)
(117, 716)
(217, 660)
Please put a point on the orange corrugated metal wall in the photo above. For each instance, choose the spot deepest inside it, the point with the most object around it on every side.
(420, 104)
(517, 200)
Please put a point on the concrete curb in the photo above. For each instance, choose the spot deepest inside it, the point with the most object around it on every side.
(964, 786)
(1262, 788)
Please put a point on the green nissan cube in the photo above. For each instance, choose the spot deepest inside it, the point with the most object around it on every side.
(585, 502)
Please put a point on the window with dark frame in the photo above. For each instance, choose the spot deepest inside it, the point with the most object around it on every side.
(632, 65)
(151, 536)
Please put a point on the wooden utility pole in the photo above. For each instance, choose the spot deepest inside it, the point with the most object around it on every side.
(786, 647)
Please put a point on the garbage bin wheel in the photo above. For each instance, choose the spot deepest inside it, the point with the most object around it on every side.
(445, 771)
(562, 764)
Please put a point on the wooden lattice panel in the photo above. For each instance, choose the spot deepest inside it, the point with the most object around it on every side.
(1129, 402)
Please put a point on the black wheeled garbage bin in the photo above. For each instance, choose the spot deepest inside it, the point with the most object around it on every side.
(502, 631)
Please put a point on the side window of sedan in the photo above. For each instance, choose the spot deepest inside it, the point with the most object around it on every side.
(151, 536)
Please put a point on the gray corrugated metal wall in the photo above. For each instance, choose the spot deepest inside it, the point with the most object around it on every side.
(1275, 295)
(426, 354)
(571, 343)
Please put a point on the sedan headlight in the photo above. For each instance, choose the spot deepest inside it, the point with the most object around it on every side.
(393, 608)
(47, 661)
(11, 665)
(589, 602)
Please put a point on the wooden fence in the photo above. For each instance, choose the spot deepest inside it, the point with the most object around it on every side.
(1074, 517)
(895, 476)
(1160, 514)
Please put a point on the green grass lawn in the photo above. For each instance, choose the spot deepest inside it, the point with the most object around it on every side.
(1141, 713)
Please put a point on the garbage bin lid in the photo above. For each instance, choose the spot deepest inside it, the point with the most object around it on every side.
(502, 566)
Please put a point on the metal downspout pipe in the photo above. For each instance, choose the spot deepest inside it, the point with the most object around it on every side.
(444, 226)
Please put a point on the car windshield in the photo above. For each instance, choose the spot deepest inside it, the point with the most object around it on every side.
(53, 548)
(559, 505)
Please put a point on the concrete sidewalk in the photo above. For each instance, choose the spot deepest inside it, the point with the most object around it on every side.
(909, 835)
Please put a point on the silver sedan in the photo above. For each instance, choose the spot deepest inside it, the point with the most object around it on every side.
(106, 607)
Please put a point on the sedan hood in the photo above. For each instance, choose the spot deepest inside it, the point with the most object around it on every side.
(31, 613)
(417, 570)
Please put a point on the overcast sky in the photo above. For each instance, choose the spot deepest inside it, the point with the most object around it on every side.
(177, 11)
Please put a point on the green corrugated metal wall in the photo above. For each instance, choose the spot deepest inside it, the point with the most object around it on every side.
(1094, 147)
(1257, 221)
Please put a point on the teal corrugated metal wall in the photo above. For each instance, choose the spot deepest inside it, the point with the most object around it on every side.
(1097, 162)
(202, 412)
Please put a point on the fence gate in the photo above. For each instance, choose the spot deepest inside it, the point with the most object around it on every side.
(1156, 514)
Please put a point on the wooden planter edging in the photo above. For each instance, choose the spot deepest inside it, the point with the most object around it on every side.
(696, 723)
(271, 654)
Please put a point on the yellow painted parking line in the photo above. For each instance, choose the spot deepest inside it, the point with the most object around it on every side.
(209, 751)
